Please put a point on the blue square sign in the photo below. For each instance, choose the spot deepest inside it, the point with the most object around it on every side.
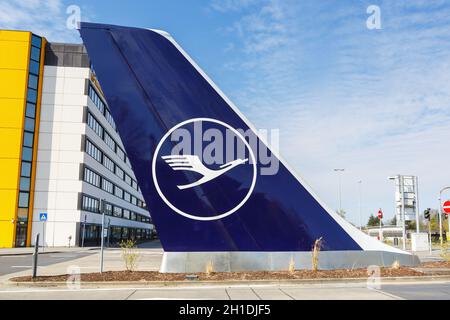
(42, 217)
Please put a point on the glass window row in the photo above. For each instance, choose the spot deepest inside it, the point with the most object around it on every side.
(29, 131)
(101, 106)
(92, 204)
(95, 125)
(92, 150)
(97, 180)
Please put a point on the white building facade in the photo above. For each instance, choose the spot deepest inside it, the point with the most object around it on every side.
(81, 161)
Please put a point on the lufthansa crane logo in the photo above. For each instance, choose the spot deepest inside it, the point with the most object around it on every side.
(200, 191)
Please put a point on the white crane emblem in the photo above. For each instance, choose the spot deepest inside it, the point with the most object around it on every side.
(193, 163)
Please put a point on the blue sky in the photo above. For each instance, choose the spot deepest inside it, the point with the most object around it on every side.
(375, 102)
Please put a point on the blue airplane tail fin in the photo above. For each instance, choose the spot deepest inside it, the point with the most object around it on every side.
(203, 194)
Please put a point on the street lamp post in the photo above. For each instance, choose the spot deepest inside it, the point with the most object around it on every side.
(102, 208)
(360, 205)
(340, 171)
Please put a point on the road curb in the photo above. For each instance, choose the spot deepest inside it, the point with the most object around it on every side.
(152, 284)
(45, 252)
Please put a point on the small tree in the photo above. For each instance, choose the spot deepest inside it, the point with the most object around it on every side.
(130, 255)
(373, 221)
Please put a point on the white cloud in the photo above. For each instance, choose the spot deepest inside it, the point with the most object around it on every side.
(231, 5)
(43, 17)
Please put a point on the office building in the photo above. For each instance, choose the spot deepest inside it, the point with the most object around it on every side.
(61, 158)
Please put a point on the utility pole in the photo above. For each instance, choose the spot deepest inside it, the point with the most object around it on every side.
(84, 231)
(441, 235)
(417, 204)
(102, 209)
(35, 256)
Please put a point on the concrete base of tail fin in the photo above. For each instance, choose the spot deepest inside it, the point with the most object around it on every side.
(193, 262)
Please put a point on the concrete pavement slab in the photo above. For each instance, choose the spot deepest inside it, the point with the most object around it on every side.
(180, 294)
(271, 294)
(335, 294)
(242, 294)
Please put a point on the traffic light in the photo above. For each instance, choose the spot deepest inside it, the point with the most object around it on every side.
(427, 214)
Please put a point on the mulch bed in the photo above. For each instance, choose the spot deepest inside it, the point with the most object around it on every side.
(125, 276)
(437, 264)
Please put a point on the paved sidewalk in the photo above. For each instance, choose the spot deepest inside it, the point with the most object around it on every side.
(150, 260)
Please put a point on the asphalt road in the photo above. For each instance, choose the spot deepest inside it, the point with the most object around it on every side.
(258, 292)
(420, 292)
(13, 264)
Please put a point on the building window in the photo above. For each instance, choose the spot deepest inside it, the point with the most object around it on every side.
(119, 172)
(117, 212)
(24, 198)
(31, 110)
(35, 54)
(33, 82)
(126, 214)
(110, 141)
(34, 67)
(26, 169)
(93, 151)
(29, 124)
(27, 154)
(95, 125)
(121, 154)
(36, 41)
(127, 196)
(96, 99)
(108, 209)
(128, 179)
(118, 192)
(28, 139)
(90, 204)
(110, 119)
(108, 163)
(32, 95)
(91, 177)
(107, 186)
(22, 214)
(24, 184)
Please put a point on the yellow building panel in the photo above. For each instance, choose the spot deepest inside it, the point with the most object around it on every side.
(7, 234)
(9, 35)
(11, 113)
(10, 142)
(12, 83)
(14, 55)
(8, 209)
(9, 171)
